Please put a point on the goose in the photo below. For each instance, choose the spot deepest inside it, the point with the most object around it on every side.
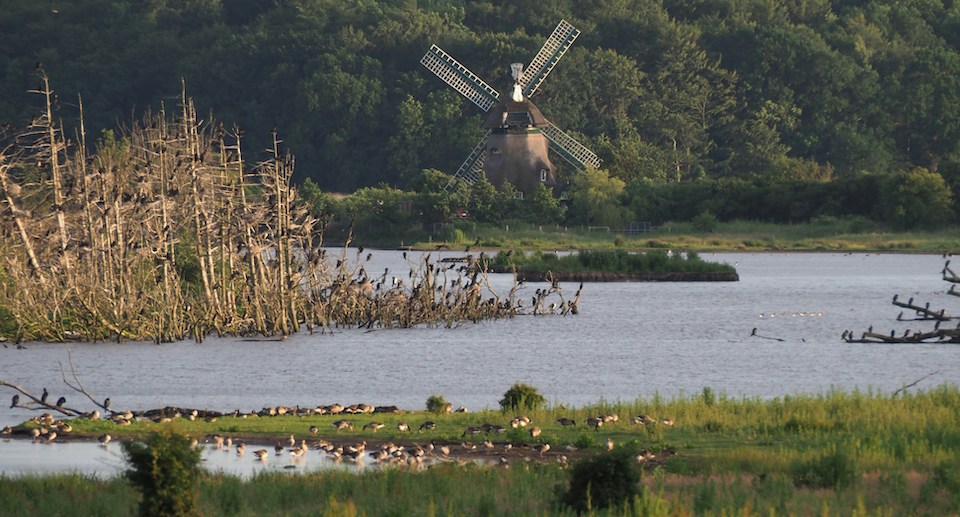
(291, 441)
(7, 430)
(241, 448)
(104, 439)
(535, 432)
(314, 429)
(542, 448)
(595, 423)
(35, 433)
(51, 436)
(374, 426)
(566, 421)
(429, 425)
(297, 453)
(343, 424)
(402, 427)
(610, 444)
(278, 448)
(261, 454)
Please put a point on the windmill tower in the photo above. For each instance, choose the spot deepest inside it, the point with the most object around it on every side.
(515, 147)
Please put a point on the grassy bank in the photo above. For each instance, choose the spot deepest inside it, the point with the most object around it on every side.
(835, 235)
(836, 453)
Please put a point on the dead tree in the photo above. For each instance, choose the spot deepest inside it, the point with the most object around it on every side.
(939, 333)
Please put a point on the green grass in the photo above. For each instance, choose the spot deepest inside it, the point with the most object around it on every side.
(821, 235)
(837, 453)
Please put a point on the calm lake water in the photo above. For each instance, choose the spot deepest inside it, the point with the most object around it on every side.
(630, 340)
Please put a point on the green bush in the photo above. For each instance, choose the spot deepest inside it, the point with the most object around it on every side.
(165, 469)
(605, 480)
(437, 404)
(836, 470)
(522, 396)
(705, 222)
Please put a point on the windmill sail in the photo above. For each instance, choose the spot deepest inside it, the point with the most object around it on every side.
(570, 149)
(472, 168)
(551, 52)
(459, 77)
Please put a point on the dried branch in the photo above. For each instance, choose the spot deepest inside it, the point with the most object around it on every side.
(914, 383)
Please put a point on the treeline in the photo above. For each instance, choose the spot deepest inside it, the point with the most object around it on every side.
(916, 199)
(665, 91)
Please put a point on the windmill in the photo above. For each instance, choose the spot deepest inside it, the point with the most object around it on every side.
(515, 146)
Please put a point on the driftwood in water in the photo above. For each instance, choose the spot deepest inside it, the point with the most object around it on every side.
(924, 313)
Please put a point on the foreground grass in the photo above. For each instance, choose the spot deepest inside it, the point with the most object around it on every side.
(731, 236)
(836, 454)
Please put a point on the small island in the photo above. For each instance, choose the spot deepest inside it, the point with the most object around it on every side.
(613, 266)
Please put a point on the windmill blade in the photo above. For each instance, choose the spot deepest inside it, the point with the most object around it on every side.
(459, 77)
(472, 168)
(551, 52)
(569, 148)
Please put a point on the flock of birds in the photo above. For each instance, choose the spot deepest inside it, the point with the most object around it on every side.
(415, 453)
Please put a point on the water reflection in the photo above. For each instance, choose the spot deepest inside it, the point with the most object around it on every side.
(25, 457)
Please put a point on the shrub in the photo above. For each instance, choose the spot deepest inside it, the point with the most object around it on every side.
(836, 470)
(165, 469)
(437, 404)
(705, 222)
(522, 396)
(605, 480)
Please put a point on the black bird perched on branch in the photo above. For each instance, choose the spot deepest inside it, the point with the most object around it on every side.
(43, 398)
(14, 401)
(106, 403)
(61, 401)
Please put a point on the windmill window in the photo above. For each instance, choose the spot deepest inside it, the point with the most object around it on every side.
(543, 174)
(519, 118)
(495, 150)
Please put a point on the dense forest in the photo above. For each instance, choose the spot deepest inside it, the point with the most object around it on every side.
(767, 97)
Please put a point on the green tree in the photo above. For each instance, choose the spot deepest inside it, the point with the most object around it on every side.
(919, 199)
(595, 199)
(544, 207)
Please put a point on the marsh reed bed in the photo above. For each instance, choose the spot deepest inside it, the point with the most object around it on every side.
(169, 231)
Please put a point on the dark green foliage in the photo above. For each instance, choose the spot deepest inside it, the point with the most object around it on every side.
(522, 397)
(783, 103)
(835, 469)
(437, 404)
(616, 261)
(705, 222)
(604, 480)
(165, 469)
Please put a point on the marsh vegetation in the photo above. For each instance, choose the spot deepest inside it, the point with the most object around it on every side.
(835, 454)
